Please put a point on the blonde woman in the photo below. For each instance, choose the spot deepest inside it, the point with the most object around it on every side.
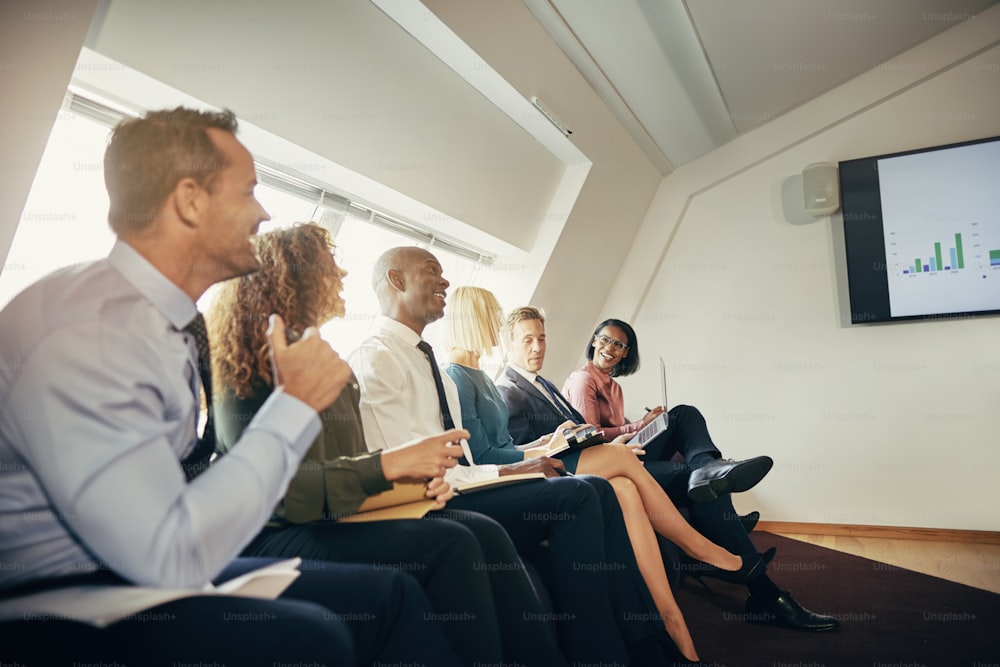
(472, 330)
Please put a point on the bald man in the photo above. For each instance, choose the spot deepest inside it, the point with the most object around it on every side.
(595, 582)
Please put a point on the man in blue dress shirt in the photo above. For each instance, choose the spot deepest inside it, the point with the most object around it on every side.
(99, 388)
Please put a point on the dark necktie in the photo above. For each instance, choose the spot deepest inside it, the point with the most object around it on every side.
(428, 351)
(197, 460)
(554, 393)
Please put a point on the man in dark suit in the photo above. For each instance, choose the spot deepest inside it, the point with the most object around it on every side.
(537, 408)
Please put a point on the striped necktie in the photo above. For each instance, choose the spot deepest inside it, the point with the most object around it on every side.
(554, 394)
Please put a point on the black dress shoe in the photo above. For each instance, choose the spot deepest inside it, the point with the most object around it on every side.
(727, 476)
(786, 612)
(749, 521)
(753, 566)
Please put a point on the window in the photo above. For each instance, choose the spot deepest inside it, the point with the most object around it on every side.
(65, 222)
(65, 216)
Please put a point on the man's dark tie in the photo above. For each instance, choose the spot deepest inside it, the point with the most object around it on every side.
(554, 393)
(197, 461)
(428, 351)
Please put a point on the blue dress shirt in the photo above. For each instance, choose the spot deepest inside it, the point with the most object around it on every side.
(98, 388)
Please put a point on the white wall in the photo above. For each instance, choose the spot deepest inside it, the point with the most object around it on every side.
(39, 42)
(743, 296)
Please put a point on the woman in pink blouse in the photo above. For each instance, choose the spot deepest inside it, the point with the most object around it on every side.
(593, 391)
(613, 351)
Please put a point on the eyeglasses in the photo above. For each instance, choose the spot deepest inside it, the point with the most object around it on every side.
(617, 344)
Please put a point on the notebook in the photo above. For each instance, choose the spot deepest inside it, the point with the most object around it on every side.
(577, 438)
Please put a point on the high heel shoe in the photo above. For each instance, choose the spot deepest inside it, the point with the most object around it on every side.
(674, 656)
(753, 566)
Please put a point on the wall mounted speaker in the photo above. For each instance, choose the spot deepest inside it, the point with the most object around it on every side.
(821, 188)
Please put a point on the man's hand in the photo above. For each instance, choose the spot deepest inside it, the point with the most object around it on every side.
(441, 491)
(552, 442)
(540, 443)
(423, 458)
(550, 467)
(625, 439)
(310, 370)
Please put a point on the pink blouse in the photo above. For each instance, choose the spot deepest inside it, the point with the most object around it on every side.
(598, 397)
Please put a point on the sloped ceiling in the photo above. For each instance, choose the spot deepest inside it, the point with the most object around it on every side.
(686, 76)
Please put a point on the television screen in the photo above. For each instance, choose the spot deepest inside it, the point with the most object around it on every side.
(922, 232)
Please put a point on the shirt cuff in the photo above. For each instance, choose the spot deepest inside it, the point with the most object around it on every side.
(289, 419)
(370, 473)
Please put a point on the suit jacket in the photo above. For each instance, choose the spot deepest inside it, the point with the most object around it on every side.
(532, 415)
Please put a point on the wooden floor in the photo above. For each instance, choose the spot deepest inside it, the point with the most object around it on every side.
(975, 565)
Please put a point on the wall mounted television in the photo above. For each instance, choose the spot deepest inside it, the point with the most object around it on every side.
(922, 232)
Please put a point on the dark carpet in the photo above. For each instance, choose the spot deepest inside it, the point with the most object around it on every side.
(890, 617)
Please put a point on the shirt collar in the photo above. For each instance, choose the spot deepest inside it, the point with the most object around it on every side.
(165, 296)
(528, 375)
(395, 328)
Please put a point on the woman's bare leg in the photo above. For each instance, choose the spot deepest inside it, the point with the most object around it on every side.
(610, 461)
(647, 554)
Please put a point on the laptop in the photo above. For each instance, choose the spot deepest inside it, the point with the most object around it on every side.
(658, 426)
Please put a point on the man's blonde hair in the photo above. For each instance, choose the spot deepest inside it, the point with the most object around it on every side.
(473, 320)
(521, 314)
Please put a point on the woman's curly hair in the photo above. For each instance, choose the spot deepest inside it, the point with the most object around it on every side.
(298, 280)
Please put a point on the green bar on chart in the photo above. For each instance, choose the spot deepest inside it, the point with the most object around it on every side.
(958, 250)
(938, 264)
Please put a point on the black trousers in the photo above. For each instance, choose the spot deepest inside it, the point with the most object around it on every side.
(331, 615)
(688, 435)
(595, 584)
(466, 564)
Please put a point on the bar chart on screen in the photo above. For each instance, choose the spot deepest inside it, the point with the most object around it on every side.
(943, 267)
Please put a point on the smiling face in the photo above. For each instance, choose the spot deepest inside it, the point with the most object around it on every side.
(527, 345)
(233, 213)
(610, 347)
(421, 289)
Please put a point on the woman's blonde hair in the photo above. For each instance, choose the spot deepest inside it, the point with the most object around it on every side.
(473, 320)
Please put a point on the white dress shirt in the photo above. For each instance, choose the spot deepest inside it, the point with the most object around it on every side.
(98, 388)
(399, 400)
